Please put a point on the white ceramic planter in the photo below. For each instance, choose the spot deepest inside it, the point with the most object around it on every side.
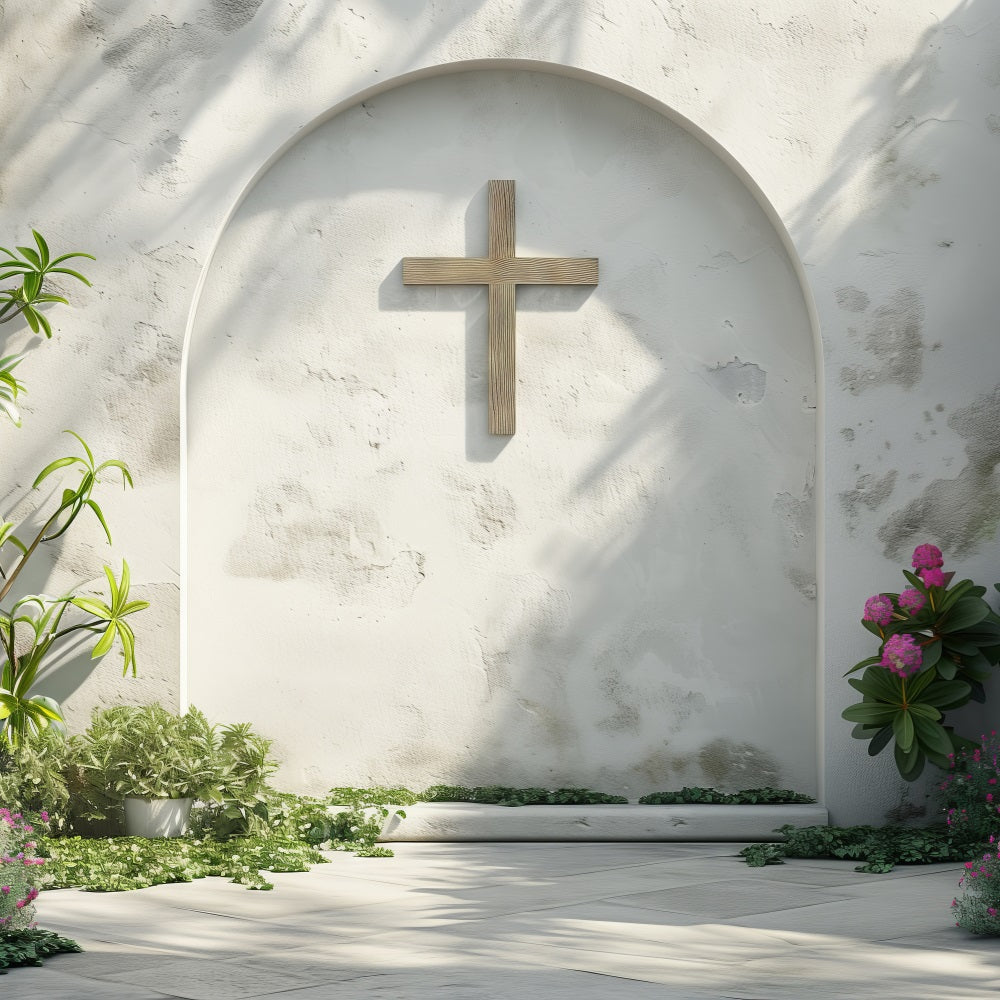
(156, 817)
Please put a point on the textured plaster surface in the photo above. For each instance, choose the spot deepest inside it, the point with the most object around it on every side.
(129, 130)
(506, 611)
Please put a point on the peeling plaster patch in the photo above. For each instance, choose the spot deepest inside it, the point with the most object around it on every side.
(231, 15)
(485, 508)
(159, 163)
(291, 534)
(796, 514)
(734, 766)
(847, 433)
(956, 514)
(852, 299)
(739, 381)
(869, 491)
(894, 337)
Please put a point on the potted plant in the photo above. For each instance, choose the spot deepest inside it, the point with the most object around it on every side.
(153, 762)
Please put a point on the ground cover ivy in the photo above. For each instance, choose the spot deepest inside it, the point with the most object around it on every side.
(711, 796)
(31, 946)
(880, 847)
(503, 795)
(115, 864)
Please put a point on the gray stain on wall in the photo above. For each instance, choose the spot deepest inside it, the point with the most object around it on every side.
(869, 491)
(893, 336)
(734, 766)
(956, 514)
(739, 381)
(852, 299)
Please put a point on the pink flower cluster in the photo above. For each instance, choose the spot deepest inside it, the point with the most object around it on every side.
(927, 561)
(912, 600)
(878, 609)
(902, 655)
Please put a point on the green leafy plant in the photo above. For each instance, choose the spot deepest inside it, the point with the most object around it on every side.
(242, 807)
(881, 848)
(711, 796)
(30, 267)
(33, 777)
(503, 795)
(117, 864)
(938, 643)
(31, 946)
(39, 618)
(148, 752)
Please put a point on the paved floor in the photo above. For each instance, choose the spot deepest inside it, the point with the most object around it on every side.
(548, 921)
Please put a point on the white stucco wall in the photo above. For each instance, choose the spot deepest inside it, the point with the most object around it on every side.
(620, 596)
(129, 130)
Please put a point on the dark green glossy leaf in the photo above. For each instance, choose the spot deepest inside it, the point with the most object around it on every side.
(967, 612)
(933, 739)
(947, 669)
(902, 729)
(910, 765)
(869, 713)
(880, 741)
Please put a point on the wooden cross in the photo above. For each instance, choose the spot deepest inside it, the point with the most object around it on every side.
(503, 272)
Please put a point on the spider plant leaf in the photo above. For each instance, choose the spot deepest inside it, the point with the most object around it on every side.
(106, 641)
(109, 573)
(59, 463)
(32, 285)
(90, 454)
(43, 248)
(128, 647)
(69, 256)
(93, 505)
(13, 413)
(114, 463)
(43, 322)
(70, 272)
(29, 314)
(31, 256)
(96, 608)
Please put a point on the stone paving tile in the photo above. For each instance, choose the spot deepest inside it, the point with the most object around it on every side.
(499, 983)
(491, 864)
(463, 919)
(294, 893)
(478, 902)
(207, 979)
(731, 898)
(51, 983)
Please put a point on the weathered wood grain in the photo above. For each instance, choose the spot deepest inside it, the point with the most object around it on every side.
(502, 271)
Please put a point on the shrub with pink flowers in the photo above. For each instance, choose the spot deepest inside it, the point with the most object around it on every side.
(19, 869)
(970, 793)
(978, 910)
(971, 799)
(938, 642)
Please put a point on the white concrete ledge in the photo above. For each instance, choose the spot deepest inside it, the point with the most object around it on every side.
(458, 821)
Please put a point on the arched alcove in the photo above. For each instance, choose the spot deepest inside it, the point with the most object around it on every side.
(622, 595)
